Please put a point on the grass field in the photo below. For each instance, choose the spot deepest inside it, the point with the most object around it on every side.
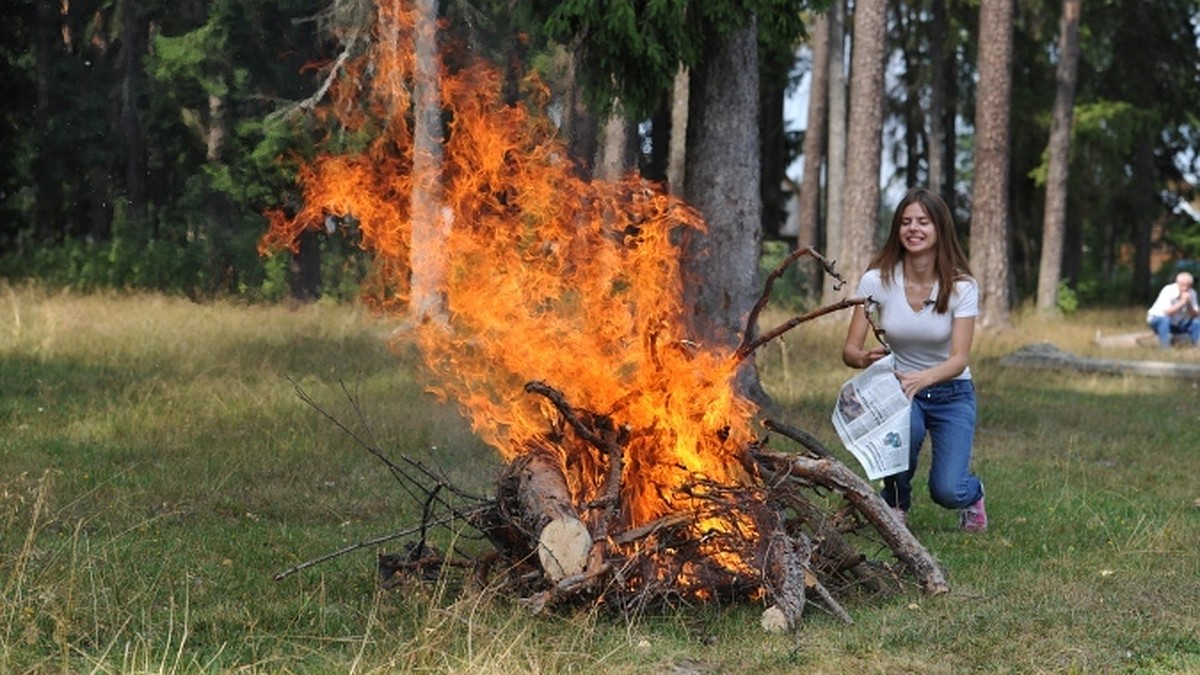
(157, 469)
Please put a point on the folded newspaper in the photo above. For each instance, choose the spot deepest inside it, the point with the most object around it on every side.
(872, 419)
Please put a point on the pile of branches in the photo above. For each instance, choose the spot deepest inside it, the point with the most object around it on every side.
(804, 526)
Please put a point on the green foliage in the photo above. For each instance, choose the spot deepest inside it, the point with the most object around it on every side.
(631, 50)
(1066, 300)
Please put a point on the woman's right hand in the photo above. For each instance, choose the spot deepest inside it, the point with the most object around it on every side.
(872, 356)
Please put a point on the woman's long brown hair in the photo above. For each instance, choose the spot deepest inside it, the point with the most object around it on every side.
(950, 263)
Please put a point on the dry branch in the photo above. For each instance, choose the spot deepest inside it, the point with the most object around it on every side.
(833, 475)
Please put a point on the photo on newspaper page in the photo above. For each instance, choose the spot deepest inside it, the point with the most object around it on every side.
(872, 419)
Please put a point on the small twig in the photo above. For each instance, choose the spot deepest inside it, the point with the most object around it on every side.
(397, 471)
(364, 544)
(312, 101)
(670, 520)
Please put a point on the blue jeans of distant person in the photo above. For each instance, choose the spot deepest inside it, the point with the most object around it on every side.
(1164, 329)
(946, 412)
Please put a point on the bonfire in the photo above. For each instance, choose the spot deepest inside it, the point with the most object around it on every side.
(548, 307)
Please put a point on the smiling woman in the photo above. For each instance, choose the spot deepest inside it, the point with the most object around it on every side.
(927, 301)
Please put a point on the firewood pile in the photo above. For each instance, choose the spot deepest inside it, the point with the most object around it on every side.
(559, 530)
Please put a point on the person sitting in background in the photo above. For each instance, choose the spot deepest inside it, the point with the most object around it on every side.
(1175, 311)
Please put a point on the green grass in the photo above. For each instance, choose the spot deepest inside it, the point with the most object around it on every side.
(157, 470)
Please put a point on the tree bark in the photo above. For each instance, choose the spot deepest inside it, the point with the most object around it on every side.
(990, 200)
(835, 164)
(578, 122)
(861, 213)
(809, 208)
(677, 161)
(614, 157)
(1059, 156)
(723, 176)
(429, 226)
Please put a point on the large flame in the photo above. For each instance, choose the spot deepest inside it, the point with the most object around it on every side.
(540, 275)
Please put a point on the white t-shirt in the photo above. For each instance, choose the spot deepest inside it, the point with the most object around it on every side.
(919, 339)
(1168, 296)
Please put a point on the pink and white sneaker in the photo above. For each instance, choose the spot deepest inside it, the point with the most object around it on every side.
(973, 518)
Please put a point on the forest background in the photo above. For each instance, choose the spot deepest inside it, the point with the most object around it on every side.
(145, 140)
(158, 469)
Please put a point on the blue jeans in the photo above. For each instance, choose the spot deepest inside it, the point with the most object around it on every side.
(947, 412)
(1163, 327)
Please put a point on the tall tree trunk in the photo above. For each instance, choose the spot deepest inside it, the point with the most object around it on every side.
(990, 204)
(429, 227)
(861, 213)
(809, 208)
(835, 165)
(677, 161)
(721, 265)
(614, 157)
(1059, 152)
(578, 122)
(941, 104)
(773, 158)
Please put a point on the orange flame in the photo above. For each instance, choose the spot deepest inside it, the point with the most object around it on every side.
(542, 275)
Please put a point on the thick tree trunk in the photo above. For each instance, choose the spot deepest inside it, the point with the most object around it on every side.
(578, 122)
(1059, 152)
(219, 212)
(861, 212)
(721, 265)
(990, 203)
(809, 208)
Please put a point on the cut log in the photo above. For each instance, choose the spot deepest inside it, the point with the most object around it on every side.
(535, 491)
